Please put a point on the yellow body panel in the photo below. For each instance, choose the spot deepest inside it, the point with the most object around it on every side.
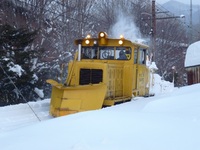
(67, 100)
(101, 81)
(143, 80)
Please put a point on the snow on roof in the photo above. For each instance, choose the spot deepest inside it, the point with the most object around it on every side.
(192, 57)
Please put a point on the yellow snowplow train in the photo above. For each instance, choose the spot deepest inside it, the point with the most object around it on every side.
(104, 72)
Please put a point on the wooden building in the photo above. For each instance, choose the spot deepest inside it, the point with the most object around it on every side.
(192, 63)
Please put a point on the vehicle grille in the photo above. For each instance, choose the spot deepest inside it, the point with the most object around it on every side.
(90, 76)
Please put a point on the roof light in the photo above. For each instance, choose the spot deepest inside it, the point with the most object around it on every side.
(102, 38)
(102, 34)
(121, 36)
(88, 36)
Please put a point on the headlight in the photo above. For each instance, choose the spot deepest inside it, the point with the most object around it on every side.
(87, 42)
(120, 42)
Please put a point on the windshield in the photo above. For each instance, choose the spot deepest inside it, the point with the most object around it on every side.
(110, 53)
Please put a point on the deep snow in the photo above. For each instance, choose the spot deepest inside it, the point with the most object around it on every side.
(18, 116)
(167, 121)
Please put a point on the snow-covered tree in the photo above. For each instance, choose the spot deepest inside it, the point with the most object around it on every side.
(18, 80)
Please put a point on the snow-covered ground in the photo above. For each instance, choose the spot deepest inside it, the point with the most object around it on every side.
(17, 116)
(168, 121)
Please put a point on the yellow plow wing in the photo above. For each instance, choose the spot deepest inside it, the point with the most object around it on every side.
(71, 99)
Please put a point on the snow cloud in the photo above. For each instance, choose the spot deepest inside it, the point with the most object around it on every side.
(124, 26)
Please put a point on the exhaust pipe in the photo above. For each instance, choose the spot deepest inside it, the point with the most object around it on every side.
(79, 52)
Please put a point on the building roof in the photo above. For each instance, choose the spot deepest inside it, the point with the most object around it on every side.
(192, 57)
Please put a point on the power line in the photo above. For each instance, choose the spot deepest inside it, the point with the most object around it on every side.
(20, 94)
(183, 23)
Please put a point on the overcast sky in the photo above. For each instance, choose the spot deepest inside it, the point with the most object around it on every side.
(182, 1)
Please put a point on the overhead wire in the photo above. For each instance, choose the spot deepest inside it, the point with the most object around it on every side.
(20, 93)
(59, 3)
(183, 23)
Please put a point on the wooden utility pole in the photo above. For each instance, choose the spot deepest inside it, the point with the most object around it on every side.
(153, 30)
(191, 25)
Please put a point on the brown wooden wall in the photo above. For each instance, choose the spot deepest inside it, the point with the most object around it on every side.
(193, 75)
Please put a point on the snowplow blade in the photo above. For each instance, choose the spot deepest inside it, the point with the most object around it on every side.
(72, 99)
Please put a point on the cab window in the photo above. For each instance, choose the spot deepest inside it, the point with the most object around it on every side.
(123, 53)
(142, 56)
(106, 52)
(89, 53)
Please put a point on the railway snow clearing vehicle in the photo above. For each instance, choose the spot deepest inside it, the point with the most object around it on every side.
(104, 72)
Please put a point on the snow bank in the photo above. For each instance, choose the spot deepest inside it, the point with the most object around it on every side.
(164, 122)
(161, 86)
(157, 84)
(17, 116)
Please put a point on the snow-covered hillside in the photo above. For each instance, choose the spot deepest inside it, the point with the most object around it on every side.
(168, 121)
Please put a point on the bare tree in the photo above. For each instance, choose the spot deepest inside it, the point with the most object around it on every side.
(171, 46)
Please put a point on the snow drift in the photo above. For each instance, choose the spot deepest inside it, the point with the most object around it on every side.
(167, 121)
